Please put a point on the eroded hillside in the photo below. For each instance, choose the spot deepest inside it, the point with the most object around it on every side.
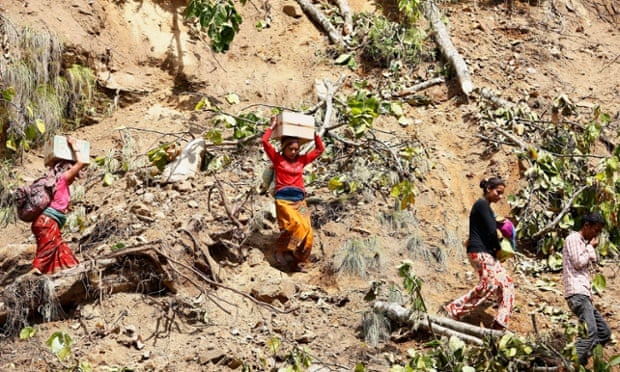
(155, 70)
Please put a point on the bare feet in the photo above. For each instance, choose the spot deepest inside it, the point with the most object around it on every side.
(34, 271)
(302, 267)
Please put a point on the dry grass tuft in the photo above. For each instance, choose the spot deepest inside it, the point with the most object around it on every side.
(375, 328)
(356, 257)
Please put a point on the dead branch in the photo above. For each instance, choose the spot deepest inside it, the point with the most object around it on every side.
(398, 313)
(462, 330)
(345, 141)
(464, 327)
(328, 96)
(346, 13)
(320, 19)
(219, 285)
(399, 166)
(423, 85)
(566, 363)
(440, 33)
(495, 100)
(326, 91)
(207, 255)
(560, 215)
(229, 211)
(523, 145)
(74, 285)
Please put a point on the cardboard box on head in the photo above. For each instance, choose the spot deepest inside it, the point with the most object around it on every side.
(57, 148)
(294, 124)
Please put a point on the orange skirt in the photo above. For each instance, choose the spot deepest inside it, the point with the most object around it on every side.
(296, 230)
(53, 254)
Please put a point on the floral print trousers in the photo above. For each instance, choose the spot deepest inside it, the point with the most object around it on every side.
(494, 284)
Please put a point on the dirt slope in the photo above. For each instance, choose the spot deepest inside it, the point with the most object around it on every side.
(143, 52)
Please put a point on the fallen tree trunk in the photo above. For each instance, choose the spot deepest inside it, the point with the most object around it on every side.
(46, 294)
(465, 331)
(447, 48)
(446, 327)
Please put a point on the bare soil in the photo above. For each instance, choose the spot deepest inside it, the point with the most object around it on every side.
(142, 51)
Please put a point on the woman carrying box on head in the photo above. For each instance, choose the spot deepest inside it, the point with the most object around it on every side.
(295, 241)
(53, 254)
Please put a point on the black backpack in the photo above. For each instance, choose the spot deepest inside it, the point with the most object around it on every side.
(31, 200)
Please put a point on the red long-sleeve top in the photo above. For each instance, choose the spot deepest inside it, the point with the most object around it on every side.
(290, 173)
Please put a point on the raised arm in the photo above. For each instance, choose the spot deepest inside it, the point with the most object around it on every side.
(319, 147)
(73, 172)
(267, 146)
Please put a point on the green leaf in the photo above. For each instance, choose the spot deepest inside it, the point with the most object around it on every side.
(343, 59)
(503, 342)
(8, 94)
(273, 344)
(261, 25)
(404, 121)
(117, 246)
(108, 179)
(27, 332)
(215, 136)
(31, 133)
(11, 145)
(599, 283)
(335, 183)
(456, 344)
(397, 109)
(567, 221)
(40, 125)
(555, 261)
(614, 360)
(227, 119)
(203, 103)
(60, 344)
(232, 98)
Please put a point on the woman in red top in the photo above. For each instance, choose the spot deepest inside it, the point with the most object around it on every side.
(53, 254)
(295, 241)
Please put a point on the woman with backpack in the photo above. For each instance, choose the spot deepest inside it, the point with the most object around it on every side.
(295, 241)
(53, 254)
(482, 248)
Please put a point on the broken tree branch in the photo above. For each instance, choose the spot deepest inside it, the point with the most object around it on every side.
(218, 186)
(495, 100)
(560, 215)
(423, 85)
(207, 255)
(398, 313)
(440, 33)
(523, 145)
(346, 13)
(462, 330)
(320, 19)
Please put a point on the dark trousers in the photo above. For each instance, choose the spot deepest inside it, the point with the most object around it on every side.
(598, 331)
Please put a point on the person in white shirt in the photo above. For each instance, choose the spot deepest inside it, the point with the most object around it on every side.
(578, 256)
